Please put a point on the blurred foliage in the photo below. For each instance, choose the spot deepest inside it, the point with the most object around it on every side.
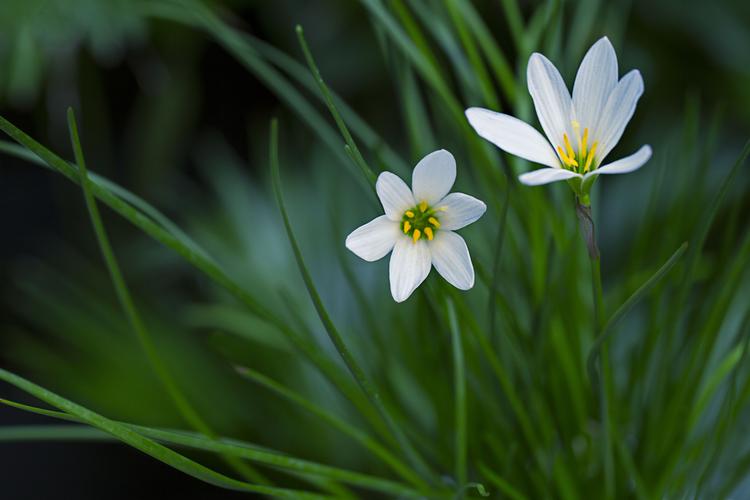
(175, 105)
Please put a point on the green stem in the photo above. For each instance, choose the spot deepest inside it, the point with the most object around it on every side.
(586, 220)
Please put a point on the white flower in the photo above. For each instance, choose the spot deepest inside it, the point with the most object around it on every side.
(581, 130)
(418, 226)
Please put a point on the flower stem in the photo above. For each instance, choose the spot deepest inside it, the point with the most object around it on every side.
(586, 221)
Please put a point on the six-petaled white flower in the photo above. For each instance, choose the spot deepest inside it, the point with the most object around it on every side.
(418, 227)
(582, 130)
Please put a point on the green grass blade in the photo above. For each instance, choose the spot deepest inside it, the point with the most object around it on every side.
(333, 333)
(459, 382)
(359, 127)
(345, 428)
(629, 304)
(234, 448)
(328, 98)
(146, 445)
(180, 401)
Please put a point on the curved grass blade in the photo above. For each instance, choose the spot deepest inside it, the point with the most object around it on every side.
(359, 127)
(146, 445)
(626, 306)
(211, 269)
(361, 437)
(359, 375)
(136, 201)
(238, 449)
(180, 401)
(328, 98)
(459, 382)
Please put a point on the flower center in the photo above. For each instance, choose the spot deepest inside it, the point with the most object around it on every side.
(581, 159)
(420, 221)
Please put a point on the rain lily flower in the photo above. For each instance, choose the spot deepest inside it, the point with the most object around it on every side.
(581, 131)
(418, 226)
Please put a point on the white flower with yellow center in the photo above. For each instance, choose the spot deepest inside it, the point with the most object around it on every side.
(418, 226)
(582, 130)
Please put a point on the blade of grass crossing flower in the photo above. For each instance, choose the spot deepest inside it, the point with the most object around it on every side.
(358, 158)
(146, 445)
(345, 428)
(338, 342)
(459, 384)
(234, 448)
(181, 402)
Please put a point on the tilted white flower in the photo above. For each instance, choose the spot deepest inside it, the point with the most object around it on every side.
(418, 226)
(582, 130)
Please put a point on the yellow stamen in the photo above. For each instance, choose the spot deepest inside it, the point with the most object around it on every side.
(423, 206)
(584, 142)
(410, 214)
(568, 161)
(433, 221)
(591, 157)
(407, 226)
(415, 236)
(568, 148)
(428, 232)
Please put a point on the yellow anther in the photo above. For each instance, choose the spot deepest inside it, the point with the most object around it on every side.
(583, 142)
(410, 214)
(416, 235)
(433, 221)
(428, 232)
(423, 206)
(568, 161)
(569, 148)
(591, 157)
(407, 226)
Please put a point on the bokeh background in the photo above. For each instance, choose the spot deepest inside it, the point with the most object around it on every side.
(168, 113)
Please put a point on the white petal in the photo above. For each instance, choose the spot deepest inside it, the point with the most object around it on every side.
(625, 165)
(551, 98)
(618, 112)
(394, 194)
(375, 239)
(546, 175)
(410, 265)
(433, 177)
(451, 258)
(595, 81)
(458, 210)
(512, 135)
